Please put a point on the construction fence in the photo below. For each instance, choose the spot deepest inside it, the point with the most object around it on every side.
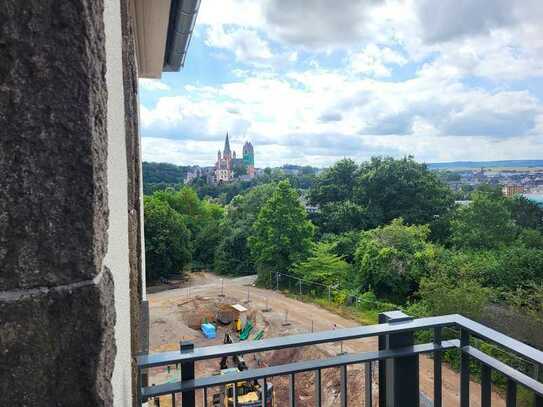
(332, 293)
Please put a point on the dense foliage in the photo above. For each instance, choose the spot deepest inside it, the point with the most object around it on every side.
(233, 255)
(158, 176)
(167, 240)
(385, 230)
(374, 193)
(193, 239)
(282, 235)
(323, 267)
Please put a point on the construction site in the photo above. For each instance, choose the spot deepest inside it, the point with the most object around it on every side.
(209, 310)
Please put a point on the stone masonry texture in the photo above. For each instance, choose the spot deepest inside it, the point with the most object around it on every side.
(130, 86)
(53, 147)
(57, 345)
(57, 312)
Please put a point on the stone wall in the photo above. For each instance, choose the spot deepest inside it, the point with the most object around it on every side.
(138, 321)
(57, 312)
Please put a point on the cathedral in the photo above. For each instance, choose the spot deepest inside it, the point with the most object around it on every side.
(227, 162)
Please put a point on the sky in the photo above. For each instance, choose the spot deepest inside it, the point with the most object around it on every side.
(310, 82)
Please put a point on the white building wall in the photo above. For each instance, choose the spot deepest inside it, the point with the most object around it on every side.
(117, 258)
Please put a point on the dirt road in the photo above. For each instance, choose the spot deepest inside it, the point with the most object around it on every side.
(168, 325)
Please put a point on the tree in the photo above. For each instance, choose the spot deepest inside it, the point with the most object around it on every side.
(343, 245)
(282, 234)
(443, 295)
(167, 240)
(232, 255)
(531, 238)
(343, 216)
(391, 260)
(201, 218)
(335, 184)
(483, 224)
(239, 169)
(526, 213)
(391, 189)
(323, 267)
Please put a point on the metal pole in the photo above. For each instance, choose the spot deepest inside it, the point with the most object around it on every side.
(329, 294)
(399, 381)
(277, 281)
(464, 370)
(187, 373)
(267, 309)
(312, 326)
(300, 286)
(285, 322)
(248, 295)
(222, 288)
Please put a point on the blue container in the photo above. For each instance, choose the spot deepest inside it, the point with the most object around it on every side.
(209, 331)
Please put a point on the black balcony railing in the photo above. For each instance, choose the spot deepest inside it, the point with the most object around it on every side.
(397, 357)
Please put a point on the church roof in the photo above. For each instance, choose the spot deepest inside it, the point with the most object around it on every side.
(226, 145)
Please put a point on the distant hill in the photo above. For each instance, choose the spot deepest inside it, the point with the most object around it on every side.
(457, 165)
(162, 175)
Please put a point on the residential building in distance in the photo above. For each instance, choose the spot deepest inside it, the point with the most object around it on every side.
(512, 189)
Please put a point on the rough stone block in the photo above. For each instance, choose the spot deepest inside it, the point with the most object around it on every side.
(53, 144)
(57, 346)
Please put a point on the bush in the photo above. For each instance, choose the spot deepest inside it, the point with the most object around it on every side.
(391, 260)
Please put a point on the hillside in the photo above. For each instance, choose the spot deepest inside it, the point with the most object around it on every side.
(458, 165)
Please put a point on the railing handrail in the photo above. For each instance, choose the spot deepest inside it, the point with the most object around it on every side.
(482, 331)
(209, 352)
(296, 367)
(282, 342)
(396, 343)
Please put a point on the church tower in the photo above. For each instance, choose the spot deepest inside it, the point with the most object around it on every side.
(227, 154)
(249, 158)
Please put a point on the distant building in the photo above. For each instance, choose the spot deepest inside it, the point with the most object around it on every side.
(511, 190)
(249, 158)
(227, 161)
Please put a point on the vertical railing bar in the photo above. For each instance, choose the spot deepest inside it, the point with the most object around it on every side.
(235, 394)
(173, 399)
(205, 397)
(343, 384)
(187, 373)
(318, 390)
(139, 386)
(264, 391)
(437, 369)
(486, 385)
(368, 385)
(538, 400)
(464, 369)
(511, 396)
(382, 345)
(292, 390)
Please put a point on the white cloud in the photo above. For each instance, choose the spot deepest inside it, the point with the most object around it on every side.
(153, 84)
(319, 113)
(451, 19)
(375, 61)
(462, 99)
(246, 44)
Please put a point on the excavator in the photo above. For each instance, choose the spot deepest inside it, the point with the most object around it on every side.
(249, 392)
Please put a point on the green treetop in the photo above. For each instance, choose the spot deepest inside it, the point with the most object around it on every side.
(282, 234)
(167, 240)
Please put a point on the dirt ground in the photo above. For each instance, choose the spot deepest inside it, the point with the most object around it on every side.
(171, 311)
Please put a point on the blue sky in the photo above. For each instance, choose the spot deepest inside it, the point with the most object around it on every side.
(312, 81)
